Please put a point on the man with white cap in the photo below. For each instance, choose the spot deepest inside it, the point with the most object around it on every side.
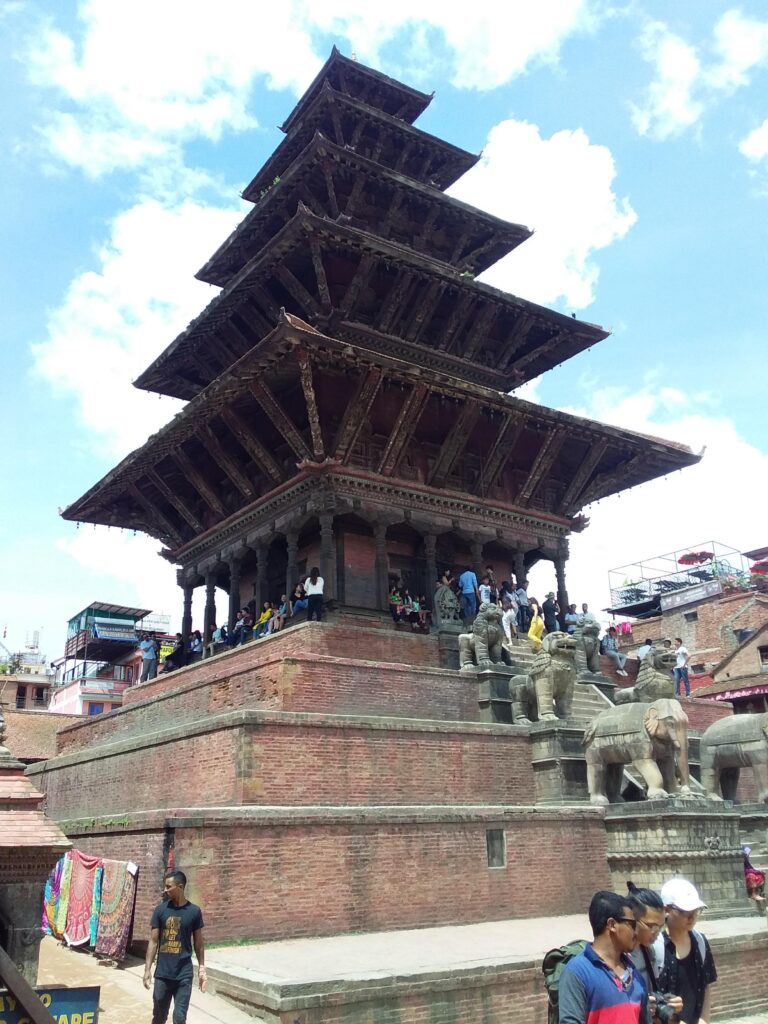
(689, 969)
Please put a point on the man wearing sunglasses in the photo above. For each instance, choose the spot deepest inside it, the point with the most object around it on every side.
(601, 982)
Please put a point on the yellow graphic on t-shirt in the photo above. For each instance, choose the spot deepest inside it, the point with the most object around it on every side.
(171, 943)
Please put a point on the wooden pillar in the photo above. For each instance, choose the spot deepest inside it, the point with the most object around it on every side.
(562, 590)
(291, 571)
(186, 615)
(521, 577)
(209, 614)
(476, 547)
(260, 586)
(234, 591)
(382, 565)
(430, 547)
(327, 566)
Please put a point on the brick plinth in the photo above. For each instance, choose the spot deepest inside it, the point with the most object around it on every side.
(274, 873)
(271, 758)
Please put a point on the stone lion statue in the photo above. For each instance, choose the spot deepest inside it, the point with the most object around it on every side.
(546, 692)
(587, 652)
(654, 679)
(482, 648)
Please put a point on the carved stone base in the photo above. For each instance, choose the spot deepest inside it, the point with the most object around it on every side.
(448, 644)
(651, 842)
(493, 694)
(559, 768)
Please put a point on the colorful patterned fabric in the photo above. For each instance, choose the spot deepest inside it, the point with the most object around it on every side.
(95, 906)
(51, 898)
(81, 888)
(118, 893)
(59, 923)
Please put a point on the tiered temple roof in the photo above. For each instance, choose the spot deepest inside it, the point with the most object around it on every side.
(351, 362)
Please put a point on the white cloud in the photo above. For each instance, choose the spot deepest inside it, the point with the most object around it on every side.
(755, 146)
(563, 188)
(115, 320)
(669, 105)
(721, 499)
(688, 79)
(141, 79)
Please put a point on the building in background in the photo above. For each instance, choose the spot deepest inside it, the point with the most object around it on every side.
(101, 658)
(25, 676)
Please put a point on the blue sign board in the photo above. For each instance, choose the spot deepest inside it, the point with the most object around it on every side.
(65, 1005)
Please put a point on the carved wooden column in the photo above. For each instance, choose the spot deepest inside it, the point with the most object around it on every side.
(382, 565)
(327, 566)
(430, 547)
(291, 571)
(260, 586)
(186, 615)
(521, 577)
(235, 564)
(562, 590)
(209, 614)
(476, 547)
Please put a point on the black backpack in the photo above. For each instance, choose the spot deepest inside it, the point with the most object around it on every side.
(552, 966)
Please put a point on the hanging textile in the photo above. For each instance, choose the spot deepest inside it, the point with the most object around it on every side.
(95, 905)
(84, 868)
(51, 897)
(59, 923)
(118, 893)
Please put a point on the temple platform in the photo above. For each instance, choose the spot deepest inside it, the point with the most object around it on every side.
(450, 975)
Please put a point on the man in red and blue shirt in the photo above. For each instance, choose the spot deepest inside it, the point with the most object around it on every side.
(600, 985)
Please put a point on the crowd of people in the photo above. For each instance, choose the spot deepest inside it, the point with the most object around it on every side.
(523, 615)
(647, 960)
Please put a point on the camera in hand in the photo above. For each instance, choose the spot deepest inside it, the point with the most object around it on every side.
(663, 1013)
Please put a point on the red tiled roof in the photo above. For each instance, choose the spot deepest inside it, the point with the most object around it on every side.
(22, 822)
(32, 734)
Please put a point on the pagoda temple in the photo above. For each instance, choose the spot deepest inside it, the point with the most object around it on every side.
(348, 389)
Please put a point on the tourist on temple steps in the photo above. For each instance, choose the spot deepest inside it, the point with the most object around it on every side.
(470, 593)
(536, 626)
(611, 650)
(395, 602)
(492, 584)
(648, 957)
(281, 614)
(643, 650)
(681, 669)
(176, 927)
(688, 967)
(314, 585)
(178, 656)
(586, 615)
(299, 600)
(261, 626)
(148, 648)
(571, 619)
(509, 621)
(485, 590)
(523, 607)
(196, 646)
(550, 610)
(601, 983)
(506, 593)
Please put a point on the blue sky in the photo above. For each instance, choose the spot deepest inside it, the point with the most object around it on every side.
(632, 136)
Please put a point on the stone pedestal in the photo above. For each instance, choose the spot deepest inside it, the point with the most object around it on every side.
(493, 694)
(559, 768)
(448, 644)
(652, 841)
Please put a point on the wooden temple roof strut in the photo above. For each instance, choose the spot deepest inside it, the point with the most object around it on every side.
(198, 481)
(154, 513)
(281, 419)
(322, 280)
(307, 386)
(616, 479)
(175, 501)
(581, 477)
(404, 428)
(252, 445)
(455, 443)
(501, 450)
(224, 459)
(356, 413)
(551, 445)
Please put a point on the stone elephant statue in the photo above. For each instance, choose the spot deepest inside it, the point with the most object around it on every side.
(727, 746)
(482, 648)
(546, 693)
(654, 678)
(653, 738)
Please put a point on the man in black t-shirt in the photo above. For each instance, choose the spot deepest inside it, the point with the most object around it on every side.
(177, 926)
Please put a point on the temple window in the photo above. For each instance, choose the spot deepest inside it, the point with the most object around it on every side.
(496, 844)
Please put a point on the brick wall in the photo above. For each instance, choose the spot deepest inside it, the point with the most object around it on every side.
(746, 661)
(252, 758)
(330, 879)
(711, 636)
